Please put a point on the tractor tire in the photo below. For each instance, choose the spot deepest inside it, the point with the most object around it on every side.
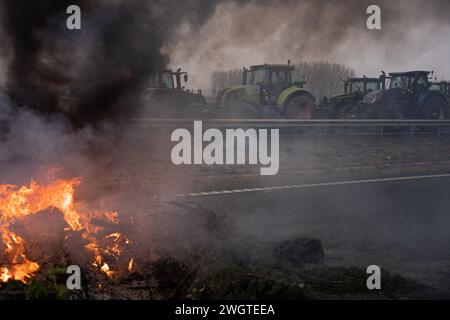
(391, 112)
(231, 100)
(194, 110)
(326, 110)
(363, 113)
(341, 112)
(434, 108)
(347, 111)
(243, 110)
(299, 107)
(239, 109)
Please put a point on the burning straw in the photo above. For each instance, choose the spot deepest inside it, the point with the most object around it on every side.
(19, 202)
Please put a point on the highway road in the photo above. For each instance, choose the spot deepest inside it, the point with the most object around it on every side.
(370, 201)
(401, 225)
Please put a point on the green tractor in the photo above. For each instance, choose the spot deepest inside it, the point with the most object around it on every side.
(165, 97)
(345, 106)
(162, 95)
(443, 87)
(267, 91)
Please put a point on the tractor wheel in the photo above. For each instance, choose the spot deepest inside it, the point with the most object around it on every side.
(194, 110)
(231, 100)
(243, 110)
(239, 109)
(391, 112)
(347, 111)
(341, 112)
(299, 107)
(325, 110)
(434, 108)
(363, 113)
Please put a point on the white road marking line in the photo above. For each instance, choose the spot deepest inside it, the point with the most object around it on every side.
(312, 185)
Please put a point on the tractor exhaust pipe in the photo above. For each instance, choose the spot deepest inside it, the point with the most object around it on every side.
(244, 76)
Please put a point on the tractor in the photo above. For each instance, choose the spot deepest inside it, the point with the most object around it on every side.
(345, 106)
(267, 91)
(165, 97)
(443, 87)
(160, 96)
(408, 96)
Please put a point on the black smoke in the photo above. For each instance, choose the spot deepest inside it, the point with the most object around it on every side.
(95, 72)
(86, 74)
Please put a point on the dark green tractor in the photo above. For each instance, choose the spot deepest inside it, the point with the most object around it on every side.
(162, 95)
(408, 96)
(165, 97)
(345, 106)
(267, 91)
(443, 87)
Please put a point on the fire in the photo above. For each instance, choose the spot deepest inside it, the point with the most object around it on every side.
(18, 202)
(105, 269)
(130, 265)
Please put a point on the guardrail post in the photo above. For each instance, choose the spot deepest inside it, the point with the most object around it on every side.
(382, 132)
(439, 132)
(411, 132)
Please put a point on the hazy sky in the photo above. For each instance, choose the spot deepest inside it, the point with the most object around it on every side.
(413, 36)
(233, 34)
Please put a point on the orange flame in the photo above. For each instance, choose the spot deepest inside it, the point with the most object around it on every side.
(18, 202)
(130, 265)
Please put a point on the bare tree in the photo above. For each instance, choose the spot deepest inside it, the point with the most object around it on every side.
(323, 78)
(224, 79)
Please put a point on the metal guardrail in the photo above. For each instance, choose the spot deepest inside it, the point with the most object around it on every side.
(284, 123)
(380, 128)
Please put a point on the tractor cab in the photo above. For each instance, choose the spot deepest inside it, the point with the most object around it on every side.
(362, 86)
(164, 96)
(413, 81)
(443, 87)
(272, 79)
(167, 79)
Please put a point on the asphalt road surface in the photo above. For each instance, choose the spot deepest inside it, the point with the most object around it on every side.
(402, 226)
(370, 201)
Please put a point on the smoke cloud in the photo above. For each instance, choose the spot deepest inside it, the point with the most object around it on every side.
(413, 36)
(117, 49)
(122, 42)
